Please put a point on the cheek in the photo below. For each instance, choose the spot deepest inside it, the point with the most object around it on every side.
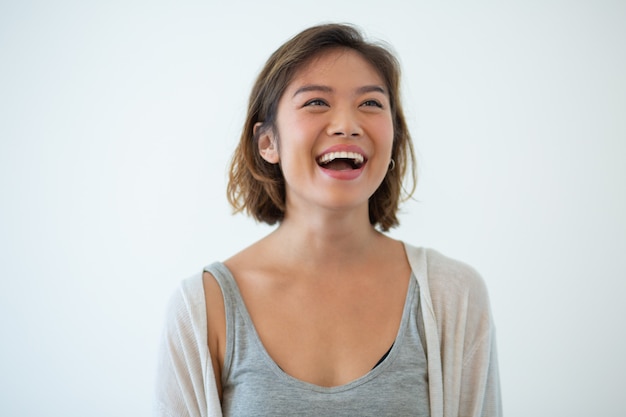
(296, 135)
(384, 130)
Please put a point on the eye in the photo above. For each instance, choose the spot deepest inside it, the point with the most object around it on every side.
(315, 102)
(372, 103)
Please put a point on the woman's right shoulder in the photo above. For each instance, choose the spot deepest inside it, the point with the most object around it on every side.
(183, 354)
(185, 299)
(193, 298)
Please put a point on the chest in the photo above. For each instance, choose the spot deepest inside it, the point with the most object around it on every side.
(328, 334)
(329, 382)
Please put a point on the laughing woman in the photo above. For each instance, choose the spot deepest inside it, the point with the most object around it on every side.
(327, 315)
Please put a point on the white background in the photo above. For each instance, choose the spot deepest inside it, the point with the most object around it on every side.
(118, 118)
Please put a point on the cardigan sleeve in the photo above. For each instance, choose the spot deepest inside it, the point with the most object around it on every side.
(480, 382)
(467, 339)
(480, 395)
(185, 385)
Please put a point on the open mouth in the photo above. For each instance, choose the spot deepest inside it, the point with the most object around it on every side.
(341, 161)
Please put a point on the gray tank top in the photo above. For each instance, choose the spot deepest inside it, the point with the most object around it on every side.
(254, 385)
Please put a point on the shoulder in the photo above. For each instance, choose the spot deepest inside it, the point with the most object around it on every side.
(187, 295)
(185, 314)
(452, 276)
(453, 288)
(185, 383)
(459, 295)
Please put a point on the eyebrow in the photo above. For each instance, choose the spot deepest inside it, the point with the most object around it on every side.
(326, 89)
(371, 89)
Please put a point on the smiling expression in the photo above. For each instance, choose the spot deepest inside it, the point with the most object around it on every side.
(334, 132)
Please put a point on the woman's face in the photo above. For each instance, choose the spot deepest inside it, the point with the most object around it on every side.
(334, 133)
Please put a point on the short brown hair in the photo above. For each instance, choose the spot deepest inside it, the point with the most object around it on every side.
(257, 186)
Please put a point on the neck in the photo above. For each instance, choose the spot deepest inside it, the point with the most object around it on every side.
(330, 240)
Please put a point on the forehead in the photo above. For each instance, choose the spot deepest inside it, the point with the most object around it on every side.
(338, 65)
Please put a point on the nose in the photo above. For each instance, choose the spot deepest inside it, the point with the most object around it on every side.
(344, 122)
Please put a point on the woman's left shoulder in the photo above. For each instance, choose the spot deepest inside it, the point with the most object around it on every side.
(448, 276)
(451, 270)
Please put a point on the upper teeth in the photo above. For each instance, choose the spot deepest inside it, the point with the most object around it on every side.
(357, 157)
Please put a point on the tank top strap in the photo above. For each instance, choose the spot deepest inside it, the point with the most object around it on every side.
(225, 279)
(232, 297)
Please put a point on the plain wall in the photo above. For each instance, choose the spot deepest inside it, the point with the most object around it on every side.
(118, 119)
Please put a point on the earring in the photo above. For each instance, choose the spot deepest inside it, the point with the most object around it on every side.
(392, 165)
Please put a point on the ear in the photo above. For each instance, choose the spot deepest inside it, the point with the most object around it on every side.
(268, 148)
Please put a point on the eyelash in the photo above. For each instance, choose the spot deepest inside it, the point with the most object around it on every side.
(320, 102)
(373, 102)
(315, 102)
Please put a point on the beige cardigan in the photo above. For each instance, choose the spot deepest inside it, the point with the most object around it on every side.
(460, 342)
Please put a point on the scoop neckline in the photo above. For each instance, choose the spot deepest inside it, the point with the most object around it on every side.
(298, 383)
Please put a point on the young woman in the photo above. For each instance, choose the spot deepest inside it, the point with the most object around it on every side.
(328, 316)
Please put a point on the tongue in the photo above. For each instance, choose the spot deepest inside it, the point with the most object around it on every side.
(338, 165)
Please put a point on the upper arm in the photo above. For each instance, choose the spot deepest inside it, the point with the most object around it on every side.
(180, 380)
